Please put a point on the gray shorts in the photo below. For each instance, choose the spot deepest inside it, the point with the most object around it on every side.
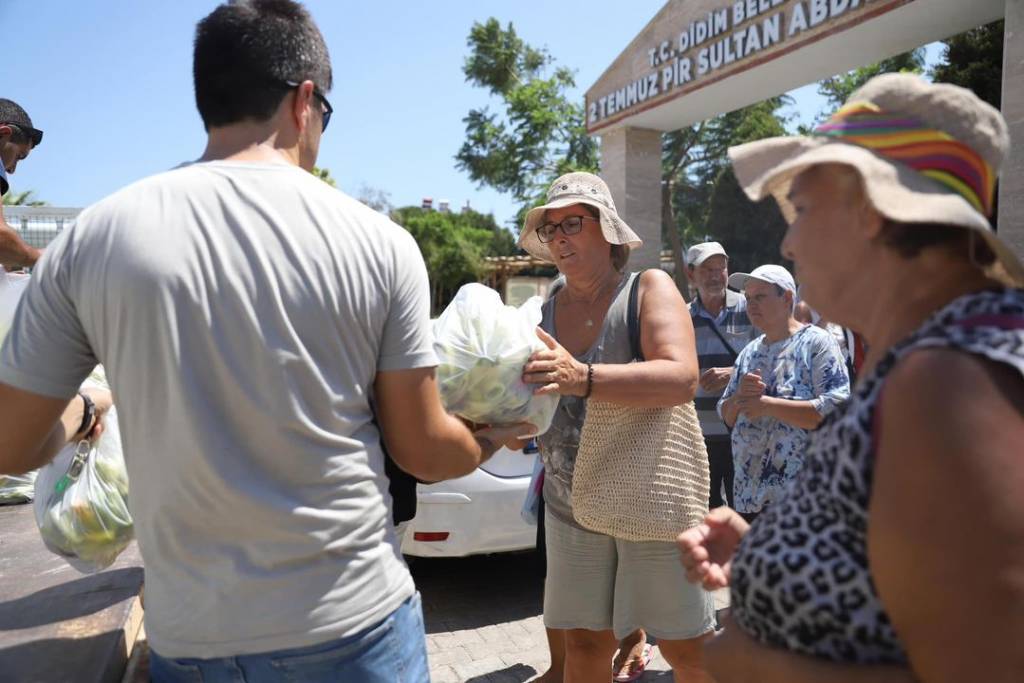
(597, 582)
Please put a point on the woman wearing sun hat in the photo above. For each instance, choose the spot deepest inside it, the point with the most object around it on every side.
(599, 588)
(898, 554)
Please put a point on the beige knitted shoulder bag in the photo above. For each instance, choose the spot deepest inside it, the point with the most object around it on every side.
(641, 474)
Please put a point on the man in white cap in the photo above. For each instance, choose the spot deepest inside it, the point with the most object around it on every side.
(784, 383)
(722, 329)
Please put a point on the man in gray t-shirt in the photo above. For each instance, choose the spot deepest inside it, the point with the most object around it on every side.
(246, 313)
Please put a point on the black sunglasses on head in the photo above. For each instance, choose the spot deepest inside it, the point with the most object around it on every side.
(328, 109)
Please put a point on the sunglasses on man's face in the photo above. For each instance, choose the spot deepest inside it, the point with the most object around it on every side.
(34, 136)
(570, 226)
(328, 109)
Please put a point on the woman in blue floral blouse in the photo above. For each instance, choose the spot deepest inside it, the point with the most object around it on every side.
(784, 383)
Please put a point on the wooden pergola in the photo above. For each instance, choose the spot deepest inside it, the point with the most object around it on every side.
(498, 269)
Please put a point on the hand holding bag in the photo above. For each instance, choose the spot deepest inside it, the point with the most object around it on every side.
(641, 474)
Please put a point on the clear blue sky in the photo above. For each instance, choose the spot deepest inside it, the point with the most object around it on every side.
(109, 81)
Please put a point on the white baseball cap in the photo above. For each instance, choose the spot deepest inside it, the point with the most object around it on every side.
(699, 253)
(773, 275)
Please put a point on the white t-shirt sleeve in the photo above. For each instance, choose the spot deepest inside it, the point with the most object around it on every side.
(407, 341)
(47, 351)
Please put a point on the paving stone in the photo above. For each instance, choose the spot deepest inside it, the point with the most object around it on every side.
(484, 622)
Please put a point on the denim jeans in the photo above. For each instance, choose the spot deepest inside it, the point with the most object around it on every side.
(393, 651)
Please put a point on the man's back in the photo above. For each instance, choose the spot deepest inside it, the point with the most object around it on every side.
(242, 311)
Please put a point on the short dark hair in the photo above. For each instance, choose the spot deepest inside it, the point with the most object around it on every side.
(245, 52)
(910, 239)
(14, 114)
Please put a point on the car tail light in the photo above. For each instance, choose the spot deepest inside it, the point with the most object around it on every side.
(430, 536)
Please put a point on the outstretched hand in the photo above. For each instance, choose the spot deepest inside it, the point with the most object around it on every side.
(103, 400)
(707, 549)
(513, 436)
(555, 370)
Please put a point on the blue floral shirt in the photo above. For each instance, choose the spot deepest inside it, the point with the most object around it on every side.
(767, 453)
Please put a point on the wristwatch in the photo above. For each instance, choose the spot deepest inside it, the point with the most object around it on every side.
(88, 415)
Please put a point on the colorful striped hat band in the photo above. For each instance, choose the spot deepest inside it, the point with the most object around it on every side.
(908, 141)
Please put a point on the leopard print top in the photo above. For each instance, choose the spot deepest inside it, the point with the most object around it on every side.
(800, 577)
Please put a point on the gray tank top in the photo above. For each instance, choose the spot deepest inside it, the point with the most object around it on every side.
(558, 445)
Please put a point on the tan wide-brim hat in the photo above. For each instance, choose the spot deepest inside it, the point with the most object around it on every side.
(577, 188)
(897, 191)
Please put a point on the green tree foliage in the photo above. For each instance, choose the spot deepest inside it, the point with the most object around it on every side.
(375, 198)
(839, 88)
(974, 59)
(22, 199)
(540, 131)
(454, 246)
(324, 174)
(751, 232)
(699, 192)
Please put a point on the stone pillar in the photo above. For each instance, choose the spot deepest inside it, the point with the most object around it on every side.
(1011, 186)
(631, 165)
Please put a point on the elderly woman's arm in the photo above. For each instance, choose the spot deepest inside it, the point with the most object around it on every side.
(667, 377)
(946, 520)
(734, 657)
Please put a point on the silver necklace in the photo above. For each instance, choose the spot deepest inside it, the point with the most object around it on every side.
(589, 322)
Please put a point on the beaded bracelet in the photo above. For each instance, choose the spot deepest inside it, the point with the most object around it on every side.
(590, 380)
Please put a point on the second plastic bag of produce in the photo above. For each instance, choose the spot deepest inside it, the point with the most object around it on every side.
(81, 504)
(482, 346)
(13, 489)
(17, 488)
(12, 287)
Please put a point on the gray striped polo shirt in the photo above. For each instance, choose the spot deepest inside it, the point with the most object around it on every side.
(735, 326)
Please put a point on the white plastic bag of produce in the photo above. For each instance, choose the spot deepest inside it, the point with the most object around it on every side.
(81, 504)
(17, 488)
(13, 488)
(482, 346)
(12, 287)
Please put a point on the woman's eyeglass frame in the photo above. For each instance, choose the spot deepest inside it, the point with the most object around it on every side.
(571, 225)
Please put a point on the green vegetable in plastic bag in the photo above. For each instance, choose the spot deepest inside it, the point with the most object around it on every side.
(81, 504)
(17, 488)
(482, 346)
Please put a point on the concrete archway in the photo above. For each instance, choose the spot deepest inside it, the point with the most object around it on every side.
(699, 58)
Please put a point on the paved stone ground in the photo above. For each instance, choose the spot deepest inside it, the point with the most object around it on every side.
(483, 620)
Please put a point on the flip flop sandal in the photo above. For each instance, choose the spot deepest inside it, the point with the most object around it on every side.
(624, 676)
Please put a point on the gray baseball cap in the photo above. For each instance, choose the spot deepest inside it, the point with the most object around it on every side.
(699, 253)
(774, 275)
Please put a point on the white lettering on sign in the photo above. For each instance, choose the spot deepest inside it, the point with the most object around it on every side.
(797, 20)
(718, 40)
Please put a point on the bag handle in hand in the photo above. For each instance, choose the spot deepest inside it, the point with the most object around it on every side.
(633, 318)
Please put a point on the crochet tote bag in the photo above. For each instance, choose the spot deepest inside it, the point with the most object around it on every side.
(641, 473)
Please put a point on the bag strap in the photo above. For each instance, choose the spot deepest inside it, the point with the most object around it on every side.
(633, 318)
(714, 328)
(718, 333)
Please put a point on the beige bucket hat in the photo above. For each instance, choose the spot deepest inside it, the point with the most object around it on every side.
(577, 188)
(927, 153)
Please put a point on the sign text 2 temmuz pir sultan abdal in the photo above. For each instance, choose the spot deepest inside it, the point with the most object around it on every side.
(718, 40)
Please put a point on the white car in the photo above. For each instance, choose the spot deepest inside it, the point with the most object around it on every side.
(476, 514)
